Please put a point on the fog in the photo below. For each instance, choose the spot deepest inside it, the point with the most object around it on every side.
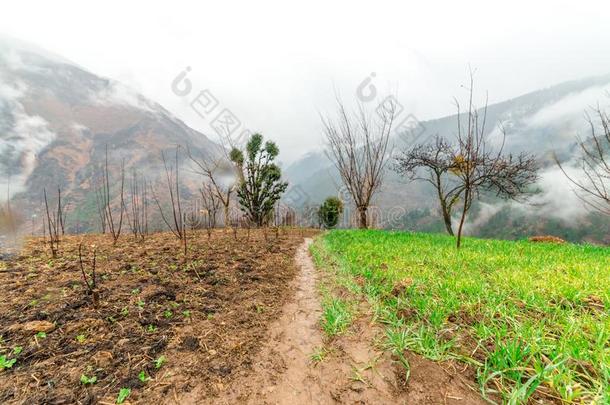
(276, 65)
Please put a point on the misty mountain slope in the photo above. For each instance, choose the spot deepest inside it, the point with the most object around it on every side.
(541, 122)
(56, 120)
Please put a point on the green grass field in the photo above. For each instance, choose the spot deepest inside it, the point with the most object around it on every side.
(533, 319)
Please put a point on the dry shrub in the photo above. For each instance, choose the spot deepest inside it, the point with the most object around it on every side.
(546, 239)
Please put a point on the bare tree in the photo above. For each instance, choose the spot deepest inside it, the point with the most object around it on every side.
(219, 174)
(210, 203)
(477, 167)
(177, 222)
(137, 215)
(105, 201)
(461, 171)
(593, 188)
(358, 146)
(433, 163)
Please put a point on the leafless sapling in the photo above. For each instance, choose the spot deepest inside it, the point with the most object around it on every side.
(137, 214)
(105, 201)
(177, 221)
(52, 224)
(91, 280)
(220, 175)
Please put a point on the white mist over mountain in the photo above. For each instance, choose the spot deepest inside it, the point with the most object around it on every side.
(276, 64)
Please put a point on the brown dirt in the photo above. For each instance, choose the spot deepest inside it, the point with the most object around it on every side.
(207, 318)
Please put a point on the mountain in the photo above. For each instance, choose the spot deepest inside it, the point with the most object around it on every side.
(56, 120)
(543, 122)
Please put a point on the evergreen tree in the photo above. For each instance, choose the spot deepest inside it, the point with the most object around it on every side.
(260, 185)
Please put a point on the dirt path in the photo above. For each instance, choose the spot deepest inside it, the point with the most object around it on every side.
(352, 372)
(283, 373)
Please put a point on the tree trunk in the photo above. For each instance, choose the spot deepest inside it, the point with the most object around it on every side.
(444, 209)
(447, 219)
(362, 217)
(463, 218)
(226, 214)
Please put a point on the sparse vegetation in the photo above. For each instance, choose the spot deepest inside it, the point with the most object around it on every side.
(142, 286)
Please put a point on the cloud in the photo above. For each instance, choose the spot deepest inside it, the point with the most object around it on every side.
(23, 137)
(558, 199)
(117, 93)
(570, 109)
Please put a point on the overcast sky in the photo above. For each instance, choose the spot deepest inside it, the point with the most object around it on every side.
(276, 65)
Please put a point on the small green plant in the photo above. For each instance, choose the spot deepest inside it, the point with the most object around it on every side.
(125, 311)
(168, 314)
(135, 291)
(17, 350)
(6, 363)
(41, 335)
(186, 314)
(151, 328)
(81, 338)
(319, 354)
(123, 395)
(336, 316)
(143, 377)
(160, 362)
(87, 380)
(140, 304)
